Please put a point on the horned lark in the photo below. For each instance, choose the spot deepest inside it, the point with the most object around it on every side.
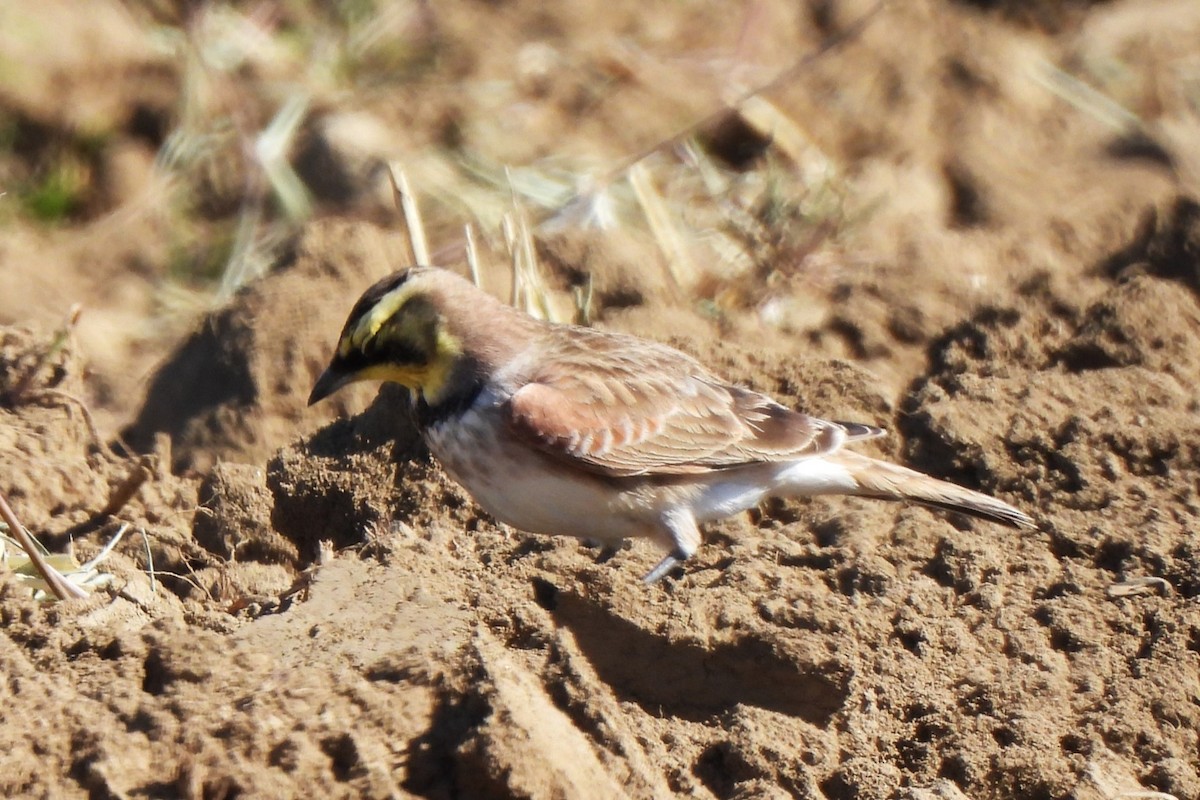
(559, 429)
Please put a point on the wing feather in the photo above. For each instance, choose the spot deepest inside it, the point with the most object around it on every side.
(622, 406)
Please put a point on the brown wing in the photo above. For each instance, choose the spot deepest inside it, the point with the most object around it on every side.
(624, 406)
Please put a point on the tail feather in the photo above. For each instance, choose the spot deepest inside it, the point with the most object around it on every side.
(880, 479)
(858, 432)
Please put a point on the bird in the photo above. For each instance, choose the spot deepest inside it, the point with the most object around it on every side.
(568, 430)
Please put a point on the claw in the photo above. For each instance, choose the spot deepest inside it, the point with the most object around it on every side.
(669, 563)
(682, 536)
(606, 553)
(607, 549)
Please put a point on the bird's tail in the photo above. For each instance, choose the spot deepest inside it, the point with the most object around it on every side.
(886, 481)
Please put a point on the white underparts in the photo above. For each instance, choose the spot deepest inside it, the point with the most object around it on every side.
(732, 491)
(813, 476)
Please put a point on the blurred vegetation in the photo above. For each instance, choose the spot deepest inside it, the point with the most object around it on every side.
(231, 101)
(257, 116)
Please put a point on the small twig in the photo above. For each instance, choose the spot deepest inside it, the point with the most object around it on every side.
(407, 204)
(271, 149)
(104, 551)
(194, 580)
(767, 119)
(189, 580)
(1084, 98)
(63, 589)
(508, 227)
(149, 560)
(659, 219)
(536, 286)
(1143, 585)
(472, 254)
(529, 291)
(129, 487)
(125, 595)
(582, 295)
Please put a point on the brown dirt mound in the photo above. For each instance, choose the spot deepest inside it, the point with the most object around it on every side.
(236, 388)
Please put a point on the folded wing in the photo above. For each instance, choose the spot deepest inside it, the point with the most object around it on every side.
(622, 406)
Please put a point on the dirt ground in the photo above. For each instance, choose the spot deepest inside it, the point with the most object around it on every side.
(976, 224)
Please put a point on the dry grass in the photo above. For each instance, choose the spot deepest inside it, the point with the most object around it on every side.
(33, 565)
(698, 212)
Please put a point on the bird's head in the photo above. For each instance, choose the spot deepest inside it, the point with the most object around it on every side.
(398, 331)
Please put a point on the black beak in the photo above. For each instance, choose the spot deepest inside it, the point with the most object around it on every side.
(332, 379)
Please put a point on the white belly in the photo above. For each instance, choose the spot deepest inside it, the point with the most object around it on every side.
(527, 490)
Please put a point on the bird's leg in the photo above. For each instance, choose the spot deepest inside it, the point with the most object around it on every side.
(663, 567)
(683, 537)
(607, 549)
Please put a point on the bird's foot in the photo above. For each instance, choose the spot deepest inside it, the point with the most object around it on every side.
(674, 559)
(607, 549)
